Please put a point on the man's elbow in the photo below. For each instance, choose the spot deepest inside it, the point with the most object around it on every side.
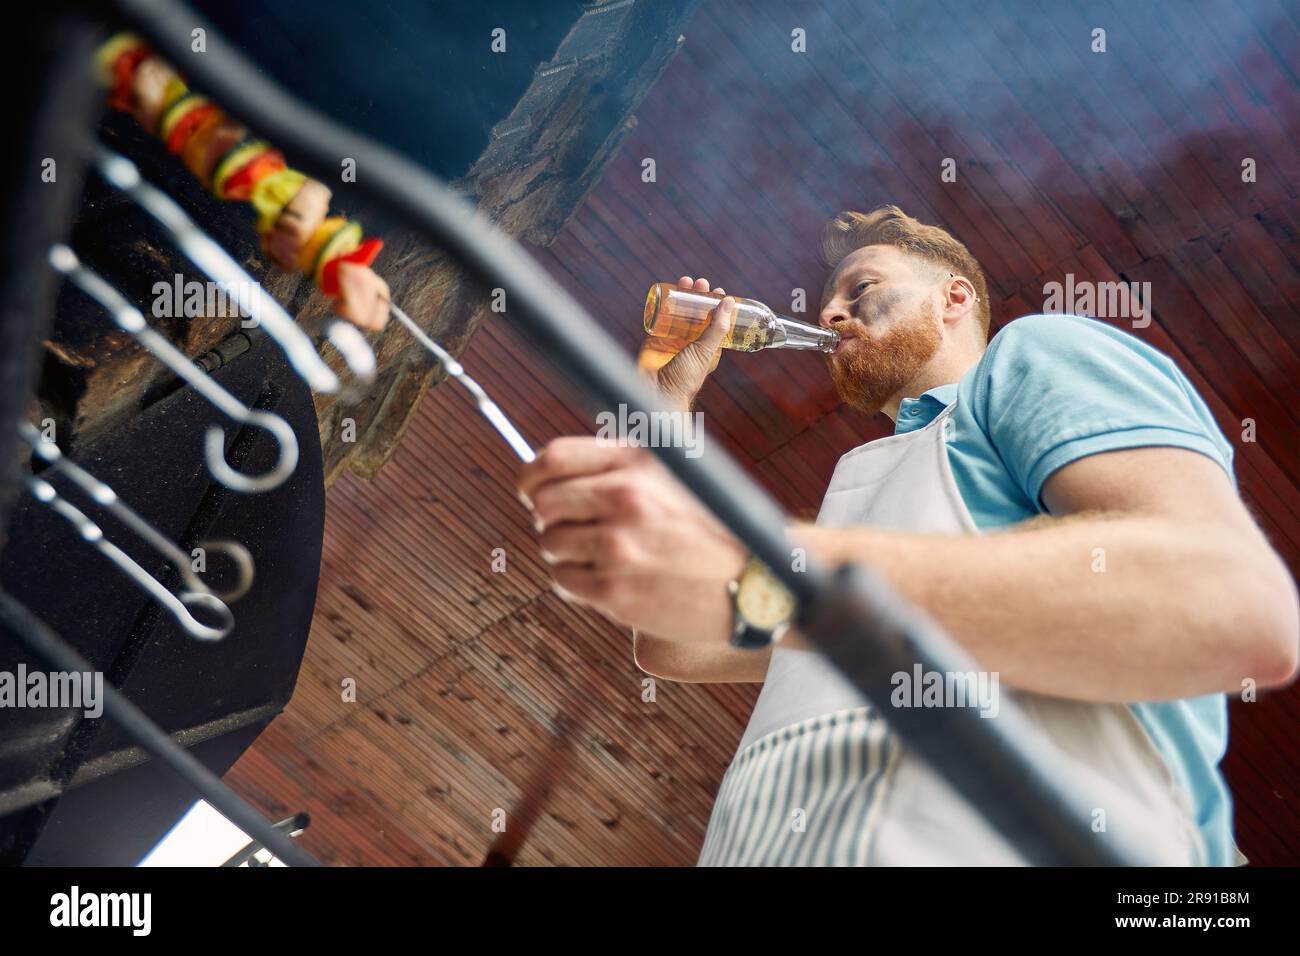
(1272, 607)
(654, 668)
(1278, 661)
(659, 659)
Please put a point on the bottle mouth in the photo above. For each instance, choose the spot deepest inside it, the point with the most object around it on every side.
(804, 335)
(651, 307)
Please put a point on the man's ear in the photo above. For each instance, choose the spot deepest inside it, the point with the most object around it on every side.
(959, 297)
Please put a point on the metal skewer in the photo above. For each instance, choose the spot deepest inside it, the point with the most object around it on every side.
(251, 298)
(178, 604)
(490, 409)
(130, 319)
(106, 497)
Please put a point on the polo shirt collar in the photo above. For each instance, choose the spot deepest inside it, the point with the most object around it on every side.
(914, 413)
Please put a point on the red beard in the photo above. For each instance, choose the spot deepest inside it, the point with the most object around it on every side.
(874, 368)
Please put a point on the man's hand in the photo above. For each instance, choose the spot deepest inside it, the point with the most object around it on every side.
(678, 369)
(623, 535)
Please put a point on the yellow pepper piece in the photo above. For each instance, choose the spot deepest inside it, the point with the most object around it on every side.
(176, 88)
(108, 53)
(272, 193)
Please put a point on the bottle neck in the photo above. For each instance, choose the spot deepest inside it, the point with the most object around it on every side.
(793, 334)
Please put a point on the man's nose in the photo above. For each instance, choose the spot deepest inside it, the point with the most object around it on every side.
(832, 315)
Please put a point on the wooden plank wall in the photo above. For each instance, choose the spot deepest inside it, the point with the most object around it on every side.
(475, 688)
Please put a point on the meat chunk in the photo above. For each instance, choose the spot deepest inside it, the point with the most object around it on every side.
(149, 86)
(301, 217)
(363, 297)
(213, 139)
(304, 213)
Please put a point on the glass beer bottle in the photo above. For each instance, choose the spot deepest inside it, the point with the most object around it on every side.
(672, 312)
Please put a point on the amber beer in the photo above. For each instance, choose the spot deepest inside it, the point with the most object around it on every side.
(682, 315)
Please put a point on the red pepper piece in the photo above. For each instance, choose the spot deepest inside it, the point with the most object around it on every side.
(241, 182)
(186, 125)
(124, 69)
(363, 254)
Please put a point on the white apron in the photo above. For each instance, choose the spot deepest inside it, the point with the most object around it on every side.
(820, 779)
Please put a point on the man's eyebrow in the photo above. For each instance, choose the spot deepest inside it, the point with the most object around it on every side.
(860, 267)
(826, 289)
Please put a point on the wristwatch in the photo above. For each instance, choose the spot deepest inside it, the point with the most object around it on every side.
(763, 606)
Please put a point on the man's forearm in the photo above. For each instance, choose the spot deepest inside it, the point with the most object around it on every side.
(1095, 607)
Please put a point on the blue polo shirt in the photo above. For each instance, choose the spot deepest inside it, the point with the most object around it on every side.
(1051, 389)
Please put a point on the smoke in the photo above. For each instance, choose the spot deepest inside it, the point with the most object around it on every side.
(1149, 108)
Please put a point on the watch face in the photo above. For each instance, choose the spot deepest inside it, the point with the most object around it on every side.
(762, 601)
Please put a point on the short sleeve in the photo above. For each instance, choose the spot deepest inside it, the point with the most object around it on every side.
(1051, 389)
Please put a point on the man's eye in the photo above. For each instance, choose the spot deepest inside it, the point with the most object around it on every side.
(862, 286)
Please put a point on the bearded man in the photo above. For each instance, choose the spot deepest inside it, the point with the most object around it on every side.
(1059, 499)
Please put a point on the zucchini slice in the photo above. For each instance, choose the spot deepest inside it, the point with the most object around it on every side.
(345, 240)
(243, 152)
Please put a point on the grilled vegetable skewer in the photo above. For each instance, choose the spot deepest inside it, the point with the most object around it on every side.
(298, 233)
